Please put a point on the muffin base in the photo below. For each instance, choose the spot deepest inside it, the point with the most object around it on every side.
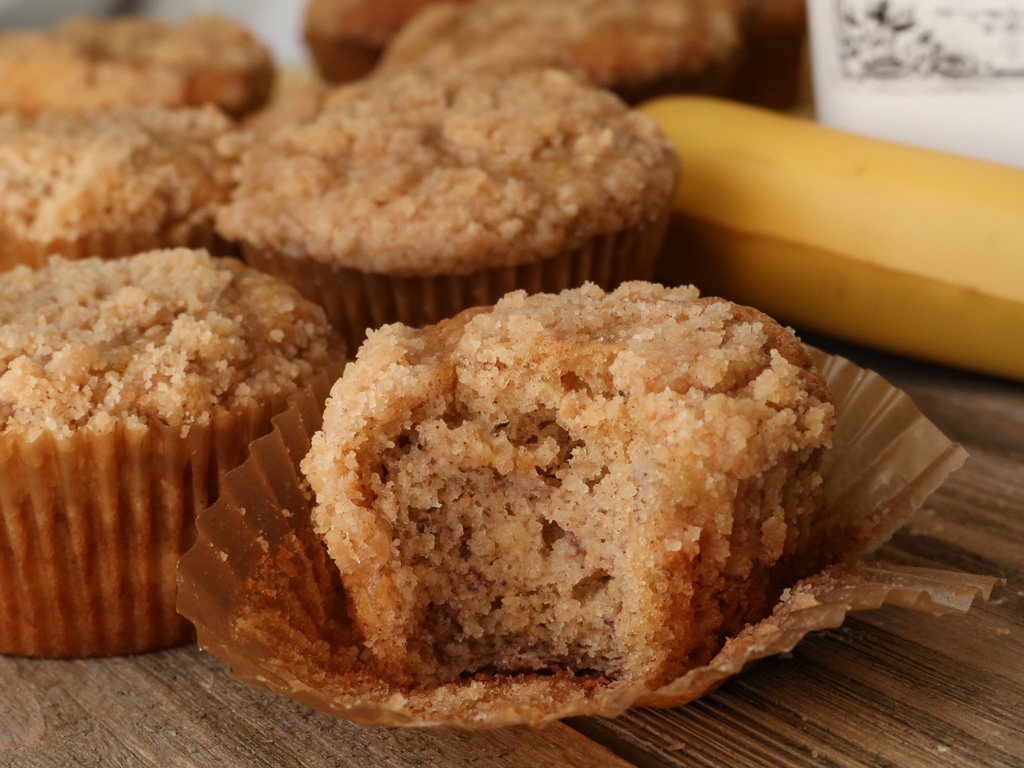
(93, 527)
(356, 301)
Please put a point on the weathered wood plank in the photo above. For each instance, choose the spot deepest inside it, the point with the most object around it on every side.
(181, 708)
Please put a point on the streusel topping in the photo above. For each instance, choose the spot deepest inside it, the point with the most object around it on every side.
(91, 63)
(419, 173)
(148, 170)
(171, 336)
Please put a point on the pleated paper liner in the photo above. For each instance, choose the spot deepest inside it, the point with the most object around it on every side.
(356, 301)
(338, 60)
(110, 245)
(265, 596)
(92, 527)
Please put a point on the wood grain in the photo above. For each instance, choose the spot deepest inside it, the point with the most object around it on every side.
(889, 688)
(181, 708)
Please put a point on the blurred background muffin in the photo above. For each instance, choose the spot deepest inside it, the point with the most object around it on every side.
(636, 48)
(86, 63)
(339, 40)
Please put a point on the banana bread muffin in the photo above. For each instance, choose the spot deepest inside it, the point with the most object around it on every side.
(113, 183)
(637, 48)
(412, 196)
(610, 483)
(127, 389)
(89, 64)
(346, 37)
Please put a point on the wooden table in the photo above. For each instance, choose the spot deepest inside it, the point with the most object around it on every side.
(889, 688)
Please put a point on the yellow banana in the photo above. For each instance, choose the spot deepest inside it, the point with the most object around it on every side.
(909, 250)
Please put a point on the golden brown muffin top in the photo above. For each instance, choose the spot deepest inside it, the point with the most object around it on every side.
(424, 174)
(372, 22)
(65, 175)
(172, 336)
(615, 43)
(88, 64)
(685, 366)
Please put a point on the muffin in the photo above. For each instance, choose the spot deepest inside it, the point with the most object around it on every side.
(637, 48)
(128, 388)
(88, 64)
(774, 34)
(608, 483)
(269, 601)
(113, 183)
(411, 197)
(346, 37)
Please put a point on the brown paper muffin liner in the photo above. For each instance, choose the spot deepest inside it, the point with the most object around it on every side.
(238, 92)
(265, 596)
(92, 526)
(339, 60)
(112, 245)
(356, 301)
(774, 43)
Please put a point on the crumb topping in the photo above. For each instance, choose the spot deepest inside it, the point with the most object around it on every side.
(614, 43)
(172, 335)
(419, 173)
(92, 63)
(64, 175)
(596, 481)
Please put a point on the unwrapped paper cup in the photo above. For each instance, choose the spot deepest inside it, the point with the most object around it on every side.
(265, 596)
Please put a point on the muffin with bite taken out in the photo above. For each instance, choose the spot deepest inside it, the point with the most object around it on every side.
(583, 482)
